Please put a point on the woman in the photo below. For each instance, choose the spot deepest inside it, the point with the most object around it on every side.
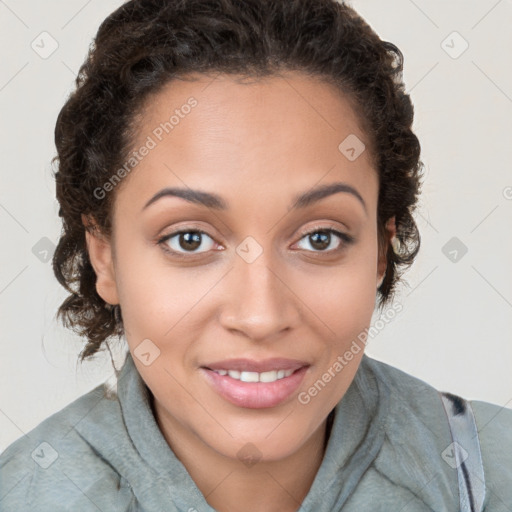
(237, 182)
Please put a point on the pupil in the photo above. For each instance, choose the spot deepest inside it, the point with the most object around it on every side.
(192, 239)
(324, 239)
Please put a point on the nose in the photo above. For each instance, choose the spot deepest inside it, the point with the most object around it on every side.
(260, 302)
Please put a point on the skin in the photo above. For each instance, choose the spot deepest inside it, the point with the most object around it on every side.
(257, 145)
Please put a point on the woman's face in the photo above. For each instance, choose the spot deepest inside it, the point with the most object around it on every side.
(255, 284)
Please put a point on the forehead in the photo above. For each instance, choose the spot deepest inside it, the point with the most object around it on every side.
(297, 103)
(225, 132)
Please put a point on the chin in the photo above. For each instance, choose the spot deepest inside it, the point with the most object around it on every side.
(270, 439)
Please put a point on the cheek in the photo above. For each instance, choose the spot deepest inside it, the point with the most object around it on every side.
(346, 291)
(344, 299)
(345, 304)
(163, 303)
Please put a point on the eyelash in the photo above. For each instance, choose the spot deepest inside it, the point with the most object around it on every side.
(345, 239)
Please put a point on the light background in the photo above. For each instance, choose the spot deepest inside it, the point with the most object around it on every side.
(455, 327)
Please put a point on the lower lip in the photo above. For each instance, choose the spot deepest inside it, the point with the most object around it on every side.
(255, 395)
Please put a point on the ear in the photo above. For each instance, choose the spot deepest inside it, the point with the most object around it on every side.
(100, 254)
(390, 230)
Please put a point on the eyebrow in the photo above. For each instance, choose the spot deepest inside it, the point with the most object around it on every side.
(216, 202)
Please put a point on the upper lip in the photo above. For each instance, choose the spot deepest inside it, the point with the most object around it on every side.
(250, 365)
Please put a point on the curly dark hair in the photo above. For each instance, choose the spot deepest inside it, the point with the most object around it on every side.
(145, 44)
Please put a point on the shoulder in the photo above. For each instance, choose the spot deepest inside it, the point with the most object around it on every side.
(494, 426)
(406, 391)
(413, 398)
(54, 468)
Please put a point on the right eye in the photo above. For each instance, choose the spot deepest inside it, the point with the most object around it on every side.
(185, 241)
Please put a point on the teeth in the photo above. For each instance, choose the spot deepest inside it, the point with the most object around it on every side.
(268, 376)
(255, 376)
(249, 377)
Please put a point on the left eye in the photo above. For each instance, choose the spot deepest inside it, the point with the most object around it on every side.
(321, 239)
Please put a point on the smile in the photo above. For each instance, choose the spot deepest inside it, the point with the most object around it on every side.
(270, 376)
(255, 384)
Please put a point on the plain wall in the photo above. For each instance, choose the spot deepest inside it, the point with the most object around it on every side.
(454, 330)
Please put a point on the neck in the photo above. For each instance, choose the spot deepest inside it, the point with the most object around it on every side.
(226, 483)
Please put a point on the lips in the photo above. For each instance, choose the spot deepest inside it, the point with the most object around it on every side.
(255, 394)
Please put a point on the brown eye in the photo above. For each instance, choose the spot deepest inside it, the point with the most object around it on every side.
(322, 240)
(187, 241)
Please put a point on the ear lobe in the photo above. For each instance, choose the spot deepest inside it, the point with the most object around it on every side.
(99, 249)
(382, 263)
